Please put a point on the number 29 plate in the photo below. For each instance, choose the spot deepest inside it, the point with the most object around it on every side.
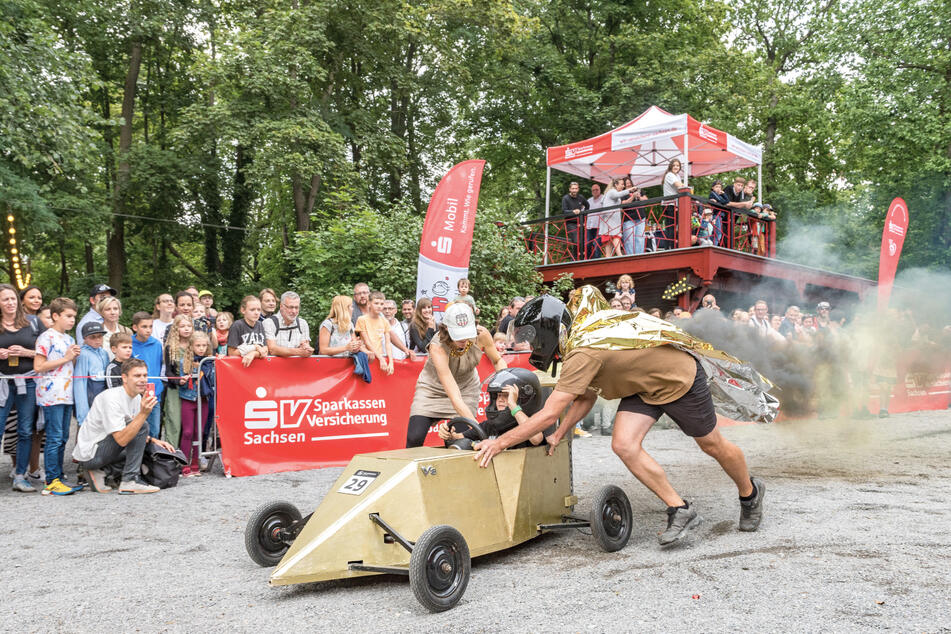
(358, 482)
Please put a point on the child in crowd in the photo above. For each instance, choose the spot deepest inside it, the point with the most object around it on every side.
(121, 345)
(246, 338)
(625, 286)
(705, 233)
(53, 363)
(203, 323)
(188, 393)
(374, 329)
(206, 299)
(463, 287)
(499, 340)
(149, 349)
(177, 358)
(222, 324)
(90, 369)
(43, 314)
(336, 337)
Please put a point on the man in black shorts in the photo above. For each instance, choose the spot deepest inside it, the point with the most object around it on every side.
(650, 381)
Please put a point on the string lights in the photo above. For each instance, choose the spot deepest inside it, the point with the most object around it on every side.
(22, 281)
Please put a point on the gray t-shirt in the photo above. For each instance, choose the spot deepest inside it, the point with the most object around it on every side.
(288, 336)
(337, 338)
(111, 411)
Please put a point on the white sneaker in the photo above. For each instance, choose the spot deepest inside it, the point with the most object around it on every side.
(130, 487)
(97, 480)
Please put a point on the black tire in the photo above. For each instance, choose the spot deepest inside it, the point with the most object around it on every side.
(439, 568)
(261, 534)
(611, 518)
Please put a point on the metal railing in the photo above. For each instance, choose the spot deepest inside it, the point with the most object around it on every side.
(645, 226)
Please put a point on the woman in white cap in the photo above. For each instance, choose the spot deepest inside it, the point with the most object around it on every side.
(449, 384)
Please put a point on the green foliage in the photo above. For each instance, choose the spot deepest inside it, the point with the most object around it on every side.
(279, 117)
(382, 249)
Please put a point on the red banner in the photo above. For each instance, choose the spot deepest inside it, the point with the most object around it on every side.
(288, 414)
(893, 238)
(446, 242)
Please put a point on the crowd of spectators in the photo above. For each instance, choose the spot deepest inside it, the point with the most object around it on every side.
(626, 227)
(129, 387)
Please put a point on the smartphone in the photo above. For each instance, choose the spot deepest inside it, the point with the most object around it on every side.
(150, 389)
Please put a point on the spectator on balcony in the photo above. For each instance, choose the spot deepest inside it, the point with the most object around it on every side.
(610, 228)
(822, 315)
(737, 198)
(616, 304)
(634, 220)
(626, 302)
(593, 223)
(654, 312)
(361, 301)
(707, 230)
(572, 204)
(673, 183)
(720, 201)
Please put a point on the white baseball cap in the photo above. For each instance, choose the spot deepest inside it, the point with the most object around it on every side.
(460, 321)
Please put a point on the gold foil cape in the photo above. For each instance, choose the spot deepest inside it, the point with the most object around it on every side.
(739, 391)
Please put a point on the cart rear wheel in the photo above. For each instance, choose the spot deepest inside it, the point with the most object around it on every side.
(611, 518)
(262, 536)
(439, 568)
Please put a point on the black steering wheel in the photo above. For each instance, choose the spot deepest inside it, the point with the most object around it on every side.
(464, 444)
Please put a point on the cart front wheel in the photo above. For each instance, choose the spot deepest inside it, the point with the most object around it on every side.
(262, 536)
(439, 568)
(611, 518)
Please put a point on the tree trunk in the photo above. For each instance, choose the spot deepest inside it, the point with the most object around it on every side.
(63, 270)
(232, 240)
(115, 246)
(90, 261)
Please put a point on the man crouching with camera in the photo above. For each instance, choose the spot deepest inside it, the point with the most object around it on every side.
(116, 432)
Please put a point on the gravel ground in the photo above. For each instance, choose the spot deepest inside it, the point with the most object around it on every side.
(855, 538)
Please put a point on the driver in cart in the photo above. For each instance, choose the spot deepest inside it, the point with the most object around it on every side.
(515, 394)
(654, 368)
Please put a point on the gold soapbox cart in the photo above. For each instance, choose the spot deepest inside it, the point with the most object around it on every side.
(424, 512)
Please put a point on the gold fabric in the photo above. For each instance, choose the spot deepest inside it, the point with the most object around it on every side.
(739, 391)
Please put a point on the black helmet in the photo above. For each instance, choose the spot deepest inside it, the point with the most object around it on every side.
(529, 398)
(543, 323)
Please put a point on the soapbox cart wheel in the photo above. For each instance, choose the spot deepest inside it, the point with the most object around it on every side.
(611, 518)
(264, 534)
(439, 568)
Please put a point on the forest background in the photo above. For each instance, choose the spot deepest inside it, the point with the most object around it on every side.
(240, 144)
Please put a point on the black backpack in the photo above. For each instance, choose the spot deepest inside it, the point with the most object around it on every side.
(161, 467)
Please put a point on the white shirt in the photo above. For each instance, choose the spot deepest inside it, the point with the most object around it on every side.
(159, 327)
(594, 220)
(670, 189)
(111, 411)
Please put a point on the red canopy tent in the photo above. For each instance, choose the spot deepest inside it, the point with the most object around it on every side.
(642, 148)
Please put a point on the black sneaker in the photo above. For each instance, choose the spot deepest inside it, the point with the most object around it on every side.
(679, 521)
(751, 513)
